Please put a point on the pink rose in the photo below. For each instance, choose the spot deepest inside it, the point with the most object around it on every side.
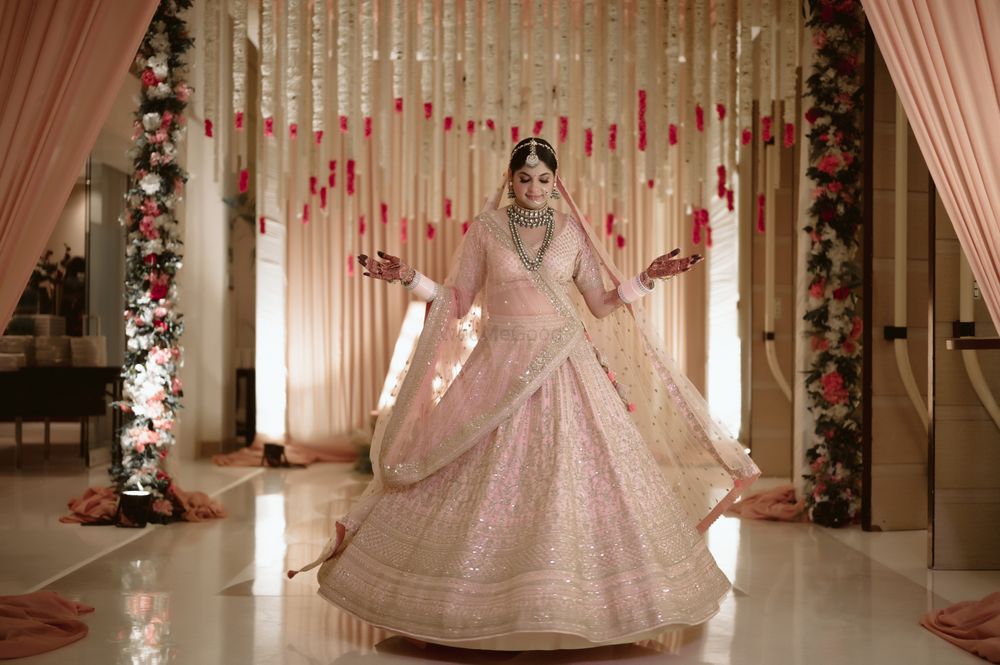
(819, 343)
(140, 448)
(149, 78)
(176, 386)
(834, 391)
(163, 507)
(856, 328)
(849, 347)
(818, 288)
(828, 164)
(182, 91)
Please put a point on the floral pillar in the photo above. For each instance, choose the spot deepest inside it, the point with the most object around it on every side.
(833, 323)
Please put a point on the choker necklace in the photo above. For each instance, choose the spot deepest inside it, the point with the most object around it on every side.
(514, 219)
(529, 218)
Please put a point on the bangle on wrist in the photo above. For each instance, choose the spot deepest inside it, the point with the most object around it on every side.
(633, 289)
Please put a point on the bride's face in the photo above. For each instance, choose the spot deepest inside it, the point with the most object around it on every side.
(533, 185)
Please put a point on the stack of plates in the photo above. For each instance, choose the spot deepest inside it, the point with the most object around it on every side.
(19, 344)
(11, 362)
(89, 351)
(52, 351)
(47, 325)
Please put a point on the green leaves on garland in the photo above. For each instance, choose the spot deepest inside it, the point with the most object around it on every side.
(833, 379)
(153, 326)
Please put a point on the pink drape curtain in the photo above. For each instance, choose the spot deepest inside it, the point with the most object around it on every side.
(61, 64)
(944, 57)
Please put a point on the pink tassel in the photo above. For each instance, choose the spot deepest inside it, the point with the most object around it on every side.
(746, 137)
(765, 128)
(588, 142)
(699, 118)
(384, 212)
(350, 265)
(642, 120)
(318, 136)
(350, 177)
(449, 122)
(343, 124)
(403, 237)
(398, 104)
(368, 127)
(721, 110)
(305, 213)
(563, 128)
(490, 125)
(431, 231)
(609, 223)
(312, 185)
(269, 127)
(708, 237)
(322, 198)
(470, 127)
(672, 134)
(721, 188)
(760, 212)
(537, 129)
(263, 225)
(293, 131)
(333, 173)
(789, 134)
(447, 208)
(729, 200)
(238, 121)
(362, 227)
(244, 181)
(620, 241)
(208, 128)
(650, 184)
(465, 227)
(515, 134)
(428, 110)
(696, 232)
(612, 137)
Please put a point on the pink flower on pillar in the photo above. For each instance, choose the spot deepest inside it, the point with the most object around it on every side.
(322, 198)
(612, 137)
(343, 124)
(263, 225)
(293, 131)
(238, 120)
(362, 227)
(789, 135)
(449, 123)
(515, 134)
(465, 227)
(490, 125)
(620, 241)
(470, 127)
(609, 223)
(368, 127)
(765, 128)
(431, 231)
(588, 142)
(447, 208)
(720, 109)
(537, 129)
(398, 104)
(563, 128)
(672, 134)
(403, 236)
(350, 265)
(318, 136)
(312, 184)
(721, 186)
(350, 177)
(699, 118)
(729, 200)
(208, 128)
(305, 213)
(333, 173)
(244, 183)
(384, 212)
(746, 136)
(428, 110)
(269, 127)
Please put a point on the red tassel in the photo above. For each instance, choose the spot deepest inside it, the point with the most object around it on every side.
(350, 265)
(384, 212)
(708, 237)
(318, 135)
(537, 129)
(343, 124)
(449, 122)
(721, 188)
(490, 125)
(721, 110)
(515, 134)
(563, 128)
(612, 137)
(789, 134)
(293, 131)
(447, 208)
(620, 241)
(695, 228)
(368, 127)
(208, 128)
(760, 212)
(322, 198)
(263, 225)
(431, 231)
(244, 181)
(765, 128)
(268, 127)
(398, 104)
(402, 230)
(238, 121)
(333, 173)
(470, 127)
(729, 200)
(305, 213)
(650, 183)
(588, 142)
(699, 118)
(642, 120)
(465, 227)
(350, 177)
(609, 223)
(428, 110)
(672, 134)
(312, 184)
(361, 225)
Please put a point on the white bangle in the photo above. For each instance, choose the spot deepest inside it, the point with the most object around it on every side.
(423, 287)
(632, 290)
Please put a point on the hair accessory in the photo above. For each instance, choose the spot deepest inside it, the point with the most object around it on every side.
(533, 145)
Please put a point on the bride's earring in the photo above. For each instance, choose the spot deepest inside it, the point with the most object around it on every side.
(510, 191)
(555, 194)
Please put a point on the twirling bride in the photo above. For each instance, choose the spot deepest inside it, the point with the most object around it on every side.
(546, 473)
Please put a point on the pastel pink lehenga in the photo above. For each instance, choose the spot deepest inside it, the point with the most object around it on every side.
(518, 503)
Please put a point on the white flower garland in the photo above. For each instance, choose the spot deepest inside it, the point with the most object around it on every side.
(398, 52)
(491, 65)
(293, 75)
(515, 65)
(469, 61)
(268, 57)
(211, 64)
(318, 81)
(540, 61)
(345, 32)
(239, 56)
(449, 24)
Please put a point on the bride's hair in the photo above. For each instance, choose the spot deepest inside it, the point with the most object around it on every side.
(546, 153)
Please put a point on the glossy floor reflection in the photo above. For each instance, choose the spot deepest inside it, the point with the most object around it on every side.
(215, 592)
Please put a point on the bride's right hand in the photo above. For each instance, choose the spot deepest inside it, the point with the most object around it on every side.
(387, 267)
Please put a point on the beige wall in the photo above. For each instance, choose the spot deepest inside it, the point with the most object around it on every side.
(898, 437)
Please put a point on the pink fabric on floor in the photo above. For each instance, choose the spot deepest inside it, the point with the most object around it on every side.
(100, 504)
(251, 455)
(971, 625)
(38, 622)
(778, 504)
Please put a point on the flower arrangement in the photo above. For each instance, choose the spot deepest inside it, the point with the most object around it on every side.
(153, 326)
(833, 378)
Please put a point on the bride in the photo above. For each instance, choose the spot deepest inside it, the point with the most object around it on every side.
(545, 475)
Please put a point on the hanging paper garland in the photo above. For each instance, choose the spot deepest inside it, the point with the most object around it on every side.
(151, 393)
(367, 64)
(345, 31)
(318, 79)
(268, 58)
(211, 85)
(397, 53)
(834, 325)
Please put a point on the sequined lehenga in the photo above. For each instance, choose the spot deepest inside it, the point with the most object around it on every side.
(522, 506)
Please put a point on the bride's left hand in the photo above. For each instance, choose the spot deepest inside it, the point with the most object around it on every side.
(669, 265)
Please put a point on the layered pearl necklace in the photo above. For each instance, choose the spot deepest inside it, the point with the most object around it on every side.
(530, 219)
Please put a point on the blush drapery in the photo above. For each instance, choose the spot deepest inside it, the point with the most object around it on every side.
(946, 69)
(61, 64)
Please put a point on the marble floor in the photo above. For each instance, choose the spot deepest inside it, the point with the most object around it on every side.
(214, 592)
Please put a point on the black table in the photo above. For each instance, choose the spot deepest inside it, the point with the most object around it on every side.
(59, 393)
